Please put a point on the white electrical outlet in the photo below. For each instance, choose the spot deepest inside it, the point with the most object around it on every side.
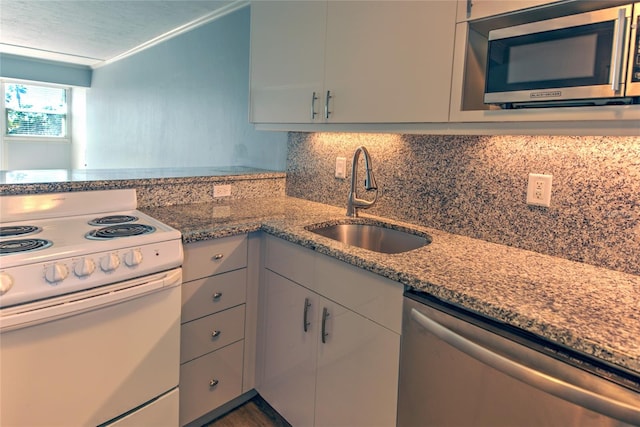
(539, 190)
(341, 167)
(221, 190)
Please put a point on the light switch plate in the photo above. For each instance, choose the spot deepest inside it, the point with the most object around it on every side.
(539, 190)
(341, 167)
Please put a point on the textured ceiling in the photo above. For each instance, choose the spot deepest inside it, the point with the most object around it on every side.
(92, 31)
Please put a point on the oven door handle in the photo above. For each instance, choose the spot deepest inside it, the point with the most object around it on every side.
(555, 386)
(69, 305)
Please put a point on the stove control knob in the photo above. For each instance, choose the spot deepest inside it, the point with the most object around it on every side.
(133, 258)
(84, 267)
(109, 262)
(6, 282)
(55, 272)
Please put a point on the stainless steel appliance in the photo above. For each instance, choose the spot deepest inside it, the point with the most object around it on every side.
(589, 58)
(89, 311)
(461, 369)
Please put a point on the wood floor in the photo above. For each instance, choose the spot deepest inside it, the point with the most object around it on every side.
(255, 413)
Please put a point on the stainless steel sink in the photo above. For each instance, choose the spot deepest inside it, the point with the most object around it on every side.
(378, 237)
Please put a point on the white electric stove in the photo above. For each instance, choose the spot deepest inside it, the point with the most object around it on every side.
(90, 302)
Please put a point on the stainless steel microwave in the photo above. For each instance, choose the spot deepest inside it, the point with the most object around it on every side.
(590, 58)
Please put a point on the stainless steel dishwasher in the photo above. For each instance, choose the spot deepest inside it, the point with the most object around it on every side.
(461, 369)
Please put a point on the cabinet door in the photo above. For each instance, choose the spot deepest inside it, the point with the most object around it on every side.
(287, 60)
(357, 371)
(289, 355)
(389, 61)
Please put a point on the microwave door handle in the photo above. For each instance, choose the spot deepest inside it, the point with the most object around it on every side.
(618, 50)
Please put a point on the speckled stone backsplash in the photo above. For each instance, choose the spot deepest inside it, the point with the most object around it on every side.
(476, 186)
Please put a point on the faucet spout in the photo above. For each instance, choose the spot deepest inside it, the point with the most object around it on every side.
(354, 203)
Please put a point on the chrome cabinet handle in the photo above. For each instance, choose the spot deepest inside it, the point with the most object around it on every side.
(213, 382)
(555, 386)
(217, 296)
(313, 106)
(217, 257)
(618, 50)
(325, 315)
(326, 105)
(305, 322)
(215, 334)
(469, 5)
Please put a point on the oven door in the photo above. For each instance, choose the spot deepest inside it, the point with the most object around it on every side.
(576, 57)
(94, 357)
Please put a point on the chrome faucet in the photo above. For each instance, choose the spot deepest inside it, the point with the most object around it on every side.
(354, 203)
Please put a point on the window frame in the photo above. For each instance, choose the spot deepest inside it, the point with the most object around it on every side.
(35, 138)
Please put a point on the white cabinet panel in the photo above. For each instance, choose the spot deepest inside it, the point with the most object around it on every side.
(343, 370)
(213, 325)
(357, 373)
(365, 293)
(210, 381)
(389, 61)
(382, 61)
(290, 260)
(206, 258)
(212, 294)
(211, 333)
(289, 356)
(287, 60)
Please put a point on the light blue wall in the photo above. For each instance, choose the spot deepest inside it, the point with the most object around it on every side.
(40, 70)
(182, 103)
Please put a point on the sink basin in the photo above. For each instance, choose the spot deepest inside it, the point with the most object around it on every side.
(377, 237)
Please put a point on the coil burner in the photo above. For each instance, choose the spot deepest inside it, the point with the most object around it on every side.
(120, 230)
(113, 219)
(9, 247)
(18, 230)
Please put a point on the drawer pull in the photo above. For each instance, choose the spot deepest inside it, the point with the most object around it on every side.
(215, 334)
(213, 382)
(217, 257)
(217, 296)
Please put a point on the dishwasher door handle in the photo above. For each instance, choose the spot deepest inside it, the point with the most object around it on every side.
(557, 387)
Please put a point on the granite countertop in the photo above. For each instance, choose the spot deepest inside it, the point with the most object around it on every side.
(590, 309)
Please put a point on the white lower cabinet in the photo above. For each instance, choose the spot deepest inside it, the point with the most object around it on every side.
(357, 371)
(210, 381)
(324, 361)
(290, 353)
(212, 341)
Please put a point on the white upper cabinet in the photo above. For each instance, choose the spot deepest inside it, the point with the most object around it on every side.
(287, 60)
(389, 61)
(476, 9)
(366, 61)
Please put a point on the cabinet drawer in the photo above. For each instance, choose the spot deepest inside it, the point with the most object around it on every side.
(213, 294)
(202, 259)
(197, 395)
(211, 333)
(290, 260)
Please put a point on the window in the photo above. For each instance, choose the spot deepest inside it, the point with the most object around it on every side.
(35, 111)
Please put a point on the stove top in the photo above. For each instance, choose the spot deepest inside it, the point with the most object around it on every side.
(53, 244)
